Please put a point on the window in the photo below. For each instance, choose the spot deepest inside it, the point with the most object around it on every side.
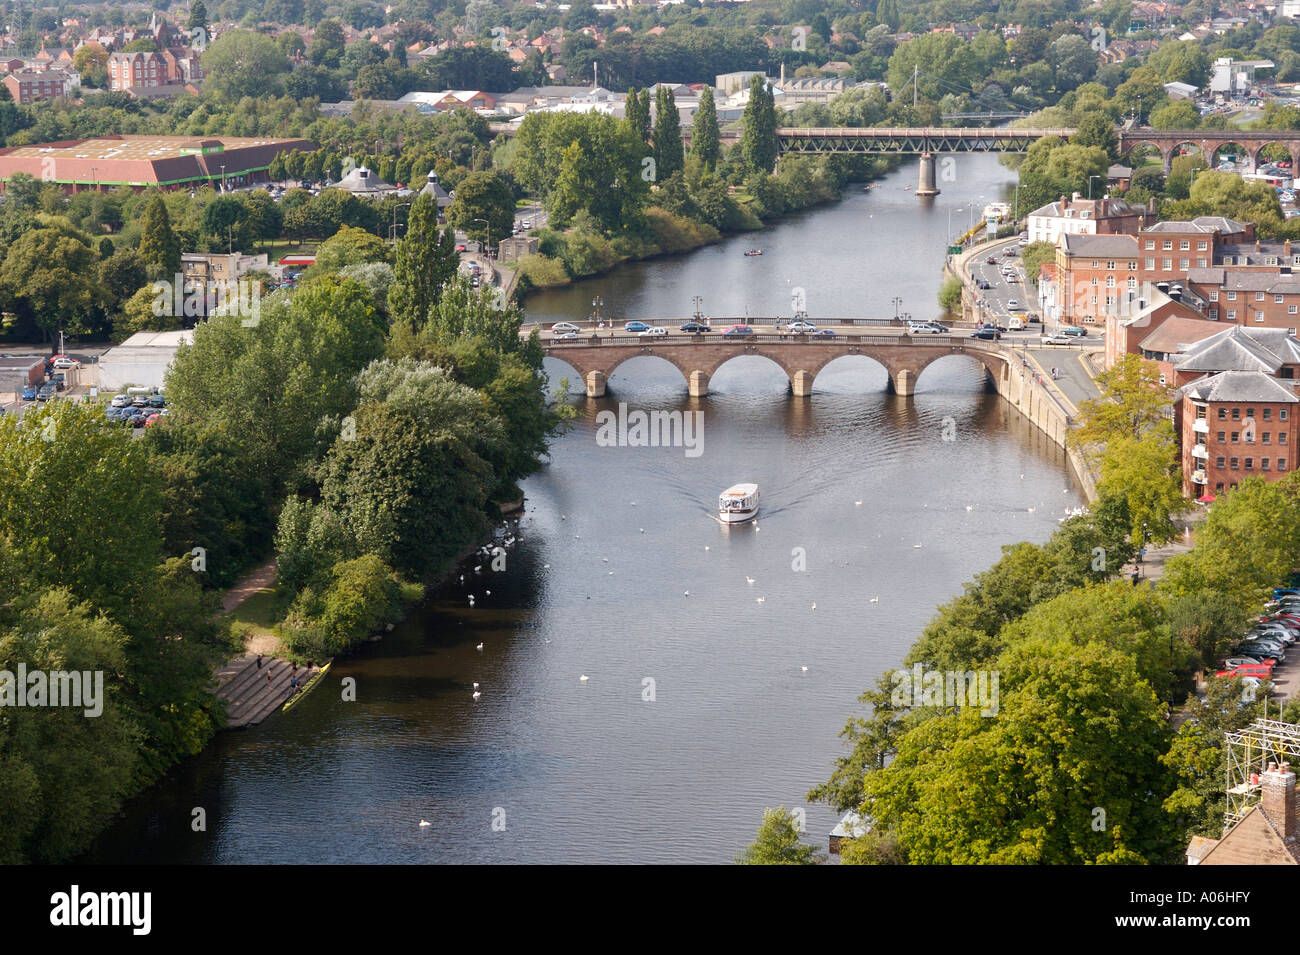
(1277, 299)
(1200, 261)
(1110, 266)
(1236, 414)
(1281, 416)
(1232, 296)
(1214, 295)
(1234, 437)
(1218, 463)
(1182, 263)
(1250, 464)
(1219, 487)
(1168, 263)
(1259, 296)
(1151, 244)
(1234, 464)
(1110, 281)
(1291, 310)
(1167, 244)
(1151, 263)
(1267, 435)
(1184, 245)
(1268, 414)
(1222, 435)
(1223, 414)
(1281, 464)
(1263, 464)
(1259, 316)
(1250, 412)
(1096, 264)
(1132, 265)
(1200, 245)
(1232, 314)
(1132, 283)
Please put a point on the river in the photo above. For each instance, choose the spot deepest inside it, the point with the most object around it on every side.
(697, 712)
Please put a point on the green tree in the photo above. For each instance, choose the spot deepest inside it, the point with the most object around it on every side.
(758, 143)
(243, 63)
(950, 294)
(637, 116)
(667, 134)
(424, 262)
(486, 196)
(705, 141)
(1035, 256)
(160, 248)
(778, 842)
(327, 44)
(1096, 129)
(350, 246)
(51, 278)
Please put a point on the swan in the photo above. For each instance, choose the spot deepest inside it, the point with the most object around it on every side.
(686, 593)
(583, 678)
(643, 530)
(749, 580)
(478, 569)
(804, 669)
(477, 694)
(969, 507)
(425, 822)
(814, 606)
(759, 599)
(479, 647)
(874, 600)
(488, 593)
(857, 503)
(476, 686)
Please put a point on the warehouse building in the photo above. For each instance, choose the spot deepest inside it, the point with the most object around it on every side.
(167, 162)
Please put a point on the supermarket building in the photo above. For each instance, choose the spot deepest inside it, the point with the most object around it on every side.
(142, 162)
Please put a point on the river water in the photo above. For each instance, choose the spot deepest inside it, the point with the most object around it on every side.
(697, 712)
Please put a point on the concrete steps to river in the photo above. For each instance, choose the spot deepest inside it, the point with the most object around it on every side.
(253, 693)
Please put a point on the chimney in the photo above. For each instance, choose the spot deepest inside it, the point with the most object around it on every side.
(1257, 245)
(1286, 248)
(1277, 799)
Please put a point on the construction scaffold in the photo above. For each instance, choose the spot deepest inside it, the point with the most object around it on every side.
(1249, 752)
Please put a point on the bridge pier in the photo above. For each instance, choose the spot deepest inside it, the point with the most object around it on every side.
(697, 384)
(925, 181)
(904, 383)
(801, 383)
(595, 381)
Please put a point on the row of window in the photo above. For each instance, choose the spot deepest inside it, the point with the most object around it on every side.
(1184, 245)
(1167, 264)
(1130, 264)
(1278, 298)
(1249, 439)
(1250, 413)
(1250, 464)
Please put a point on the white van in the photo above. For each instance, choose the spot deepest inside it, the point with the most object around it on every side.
(1016, 323)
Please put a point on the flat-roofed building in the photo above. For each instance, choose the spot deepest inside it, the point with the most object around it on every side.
(168, 162)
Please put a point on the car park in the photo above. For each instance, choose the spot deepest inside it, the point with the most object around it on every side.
(635, 327)
(120, 401)
(654, 331)
(695, 328)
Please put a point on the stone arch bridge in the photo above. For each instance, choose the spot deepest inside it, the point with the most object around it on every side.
(699, 357)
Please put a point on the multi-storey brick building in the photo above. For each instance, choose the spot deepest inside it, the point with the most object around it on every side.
(1170, 249)
(128, 72)
(1270, 351)
(1235, 425)
(31, 86)
(1131, 322)
(1249, 296)
(1094, 273)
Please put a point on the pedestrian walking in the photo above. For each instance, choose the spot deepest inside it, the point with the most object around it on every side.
(1135, 578)
(268, 679)
(259, 661)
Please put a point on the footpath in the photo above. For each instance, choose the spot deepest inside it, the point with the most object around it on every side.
(257, 683)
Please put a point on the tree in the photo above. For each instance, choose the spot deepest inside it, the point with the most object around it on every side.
(1180, 115)
(1073, 61)
(51, 278)
(705, 142)
(637, 116)
(160, 248)
(1035, 256)
(778, 842)
(1131, 405)
(198, 16)
(1096, 129)
(944, 63)
(758, 143)
(472, 68)
(486, 196)
(243, 63)
(950, 294)
(667, 134)
(350, 246)
(424, 262)
(327, 44)
(1181, 62)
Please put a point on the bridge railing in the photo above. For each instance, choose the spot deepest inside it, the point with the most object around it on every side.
(685, 338)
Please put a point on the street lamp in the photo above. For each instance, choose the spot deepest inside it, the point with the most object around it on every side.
(1090, 179)
(698, 302)
(896, 301)
(487, 227)
(596, 304)
(950, 212)
(392, 230)
(223, 177)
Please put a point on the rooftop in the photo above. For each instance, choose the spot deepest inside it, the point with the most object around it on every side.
(1099, 245)
(1240, 386)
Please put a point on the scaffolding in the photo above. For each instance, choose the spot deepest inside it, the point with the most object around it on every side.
(1249, 752)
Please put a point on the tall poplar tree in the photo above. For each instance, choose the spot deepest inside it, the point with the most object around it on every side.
(637, 115)
(705, 143)
(668, 135)
(758, 134)
(424, 263)
(160, 247)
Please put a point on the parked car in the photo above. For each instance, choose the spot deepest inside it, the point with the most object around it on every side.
(737, 331)
(1231, 662)
(29, 392)
(654, 331)
(120, 401)
(824, 333)
(1247, 669)
(800, 328)
(923, 328)
(635, 327)
(63, 361)
(157, 401)
(695, 328)
(45, 392)
(989, 334)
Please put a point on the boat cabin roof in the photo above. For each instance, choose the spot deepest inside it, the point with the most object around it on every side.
(740, 490)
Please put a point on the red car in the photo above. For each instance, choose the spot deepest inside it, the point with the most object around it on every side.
(990, 261)
(1261, 670)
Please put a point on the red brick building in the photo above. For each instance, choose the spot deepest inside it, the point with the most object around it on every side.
(1132, 322)
(32, 86)
(1235, 425)
(1171, 249)
(1250, 296)
(1095, 273)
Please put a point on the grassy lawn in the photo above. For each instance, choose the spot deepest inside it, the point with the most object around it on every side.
(275, 250)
